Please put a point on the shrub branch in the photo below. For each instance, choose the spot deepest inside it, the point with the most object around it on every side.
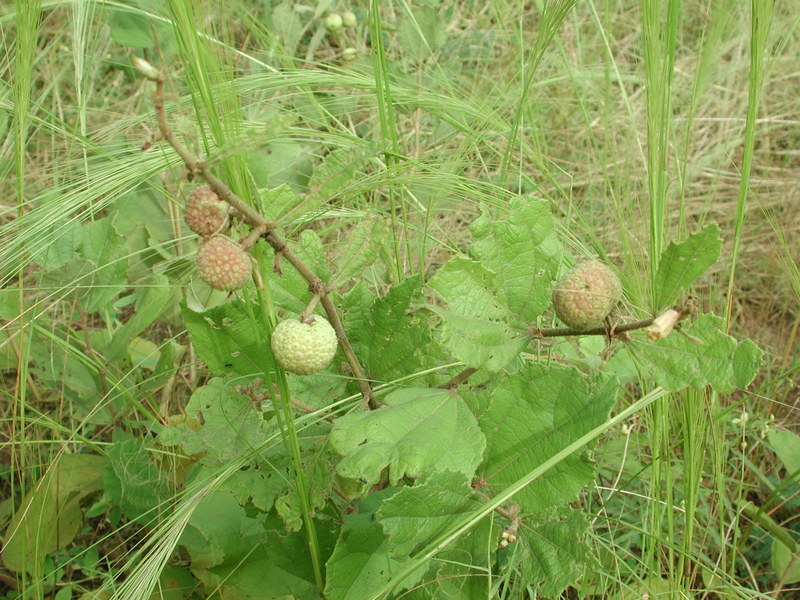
(260, 226)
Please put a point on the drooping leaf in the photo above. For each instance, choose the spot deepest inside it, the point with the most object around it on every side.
(681, 264)
(130, 29)
(388, 337)
(551, 553)
(132, 481)
(361, 562)
(151, 300)
(220, 423)
(361, 250)
(698, 355)
(523, 253)
(787, 446)
(50, 514)
(414, 516)
(229, 339)
(785, 563)
(533, 414)
(107, 250)
(419, 430)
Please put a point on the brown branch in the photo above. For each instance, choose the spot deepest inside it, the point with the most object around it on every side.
(266, 229)
(458, 379)
(602, 330)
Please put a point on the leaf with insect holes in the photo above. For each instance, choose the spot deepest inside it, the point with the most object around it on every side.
(229, 338)
(220, 423)
(531, 415)
(698, 355)
(417, 431)
(681, 264)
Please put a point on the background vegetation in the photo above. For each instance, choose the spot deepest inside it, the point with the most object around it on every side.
(638, 123)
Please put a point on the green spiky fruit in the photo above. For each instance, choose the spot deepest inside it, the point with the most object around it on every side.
(586, 294)
(349, 18)
(205, 213)
(304, 348)
(222, 264)
(333, 22)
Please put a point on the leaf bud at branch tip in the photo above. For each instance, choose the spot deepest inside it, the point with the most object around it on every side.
(146, 69)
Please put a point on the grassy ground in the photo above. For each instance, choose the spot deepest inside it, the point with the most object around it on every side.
(639, 122)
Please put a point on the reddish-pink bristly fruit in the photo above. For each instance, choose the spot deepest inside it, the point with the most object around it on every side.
(205, 213)
(222, 264)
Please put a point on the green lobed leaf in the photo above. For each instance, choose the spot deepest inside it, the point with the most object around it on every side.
(387, 336)
(278, 202)
(338, 169)
(132, 481)
(468, 288)
(415, 516)
(220, 423)
(551, 553)
(361, 562)
(681, 264)
(361, 250)
(479, 343)
(50, 514)
(228, 339)
(698, 355)
(107, 250)
(419, 430)
(534, 413)
(522, 251)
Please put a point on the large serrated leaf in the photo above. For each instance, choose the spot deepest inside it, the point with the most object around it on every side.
(388, 338)
(228, 339)
(290, 289)
(480, 343)
(414, 516)
(698, 355)
(532, 415)
(551, 553)
(132, 481)
(522, 251)
(361, 250)
(361, 562)
(681, 264)
(419, 430)
(468, 288)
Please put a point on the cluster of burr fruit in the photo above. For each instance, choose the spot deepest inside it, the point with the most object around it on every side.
(221, 262)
